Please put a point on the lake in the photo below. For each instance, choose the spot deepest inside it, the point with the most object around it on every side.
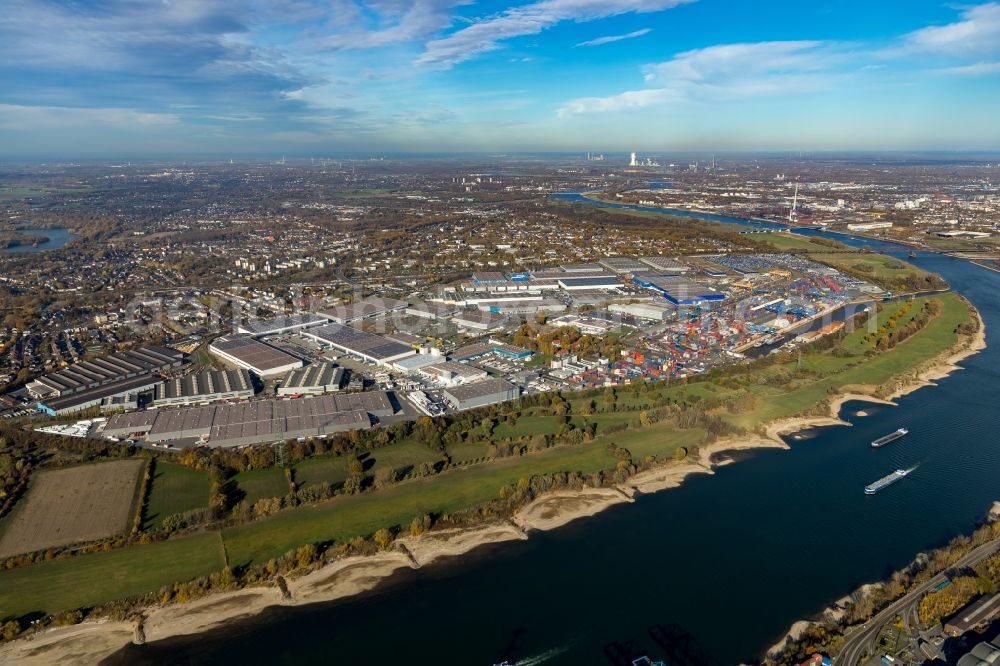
(56, 239)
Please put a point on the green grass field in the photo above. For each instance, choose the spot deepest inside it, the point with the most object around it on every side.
(175, 489)
(399, 456)
(660, 440)
(332, 469)
(348, 516)
(91, 579)
(794, 242)
(467, 451)
(527, 426)
(878, 266)
(96, 578)
(262, 483)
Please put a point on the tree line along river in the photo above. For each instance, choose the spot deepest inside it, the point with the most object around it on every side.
(735, 558)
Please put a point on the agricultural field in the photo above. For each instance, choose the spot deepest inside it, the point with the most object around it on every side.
(85, 580)
(175, 489)
(72, 505)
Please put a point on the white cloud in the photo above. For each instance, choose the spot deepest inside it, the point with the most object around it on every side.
(615, 38)
(632, 99)
(977, 32)
(531, 19)
(724, 72)
(977, 69)
(397, 23)
(22, 117)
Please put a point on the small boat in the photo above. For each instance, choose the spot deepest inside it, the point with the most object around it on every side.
(891, 437)
(913, 255)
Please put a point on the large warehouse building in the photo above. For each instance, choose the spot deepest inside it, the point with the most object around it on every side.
(491, 346)
(481, 394)
(366, 346)
(481, 320)
(373, 306)
(450, 373)
(650, 311)
(665, 264)
(623, 264)
(679, 290)
(281, 325)
(111, 381)
(432, 310)
(978, 614)
(314, 379)
(590, 283)
(251, 354)
(254, 422)
(204, 387)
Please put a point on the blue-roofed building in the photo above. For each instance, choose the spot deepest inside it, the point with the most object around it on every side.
(679, 290)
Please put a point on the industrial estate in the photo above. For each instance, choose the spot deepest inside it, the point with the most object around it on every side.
(206, 399)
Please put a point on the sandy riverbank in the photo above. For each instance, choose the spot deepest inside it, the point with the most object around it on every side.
(561, 507)
(91, 641)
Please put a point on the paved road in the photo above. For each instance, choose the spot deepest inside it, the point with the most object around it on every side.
(861, 642)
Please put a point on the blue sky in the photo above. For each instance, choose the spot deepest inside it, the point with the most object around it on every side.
(304, 77)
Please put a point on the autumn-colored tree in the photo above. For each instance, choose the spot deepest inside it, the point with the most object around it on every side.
(383, 538)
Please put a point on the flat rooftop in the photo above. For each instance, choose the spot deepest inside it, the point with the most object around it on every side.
(360, 342)
(367, 307)
(602, 281)
(479, 316)
(463, 370)
(485, 388)
(678, 289)
(582, 268)
(664, 264)
(623, 264)
(437, 309)
(262, 420)
(253, 353)
(265, 326)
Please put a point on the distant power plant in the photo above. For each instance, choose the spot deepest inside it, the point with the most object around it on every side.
(634, 161)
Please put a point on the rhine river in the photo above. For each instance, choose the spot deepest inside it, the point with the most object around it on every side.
(734, 558)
